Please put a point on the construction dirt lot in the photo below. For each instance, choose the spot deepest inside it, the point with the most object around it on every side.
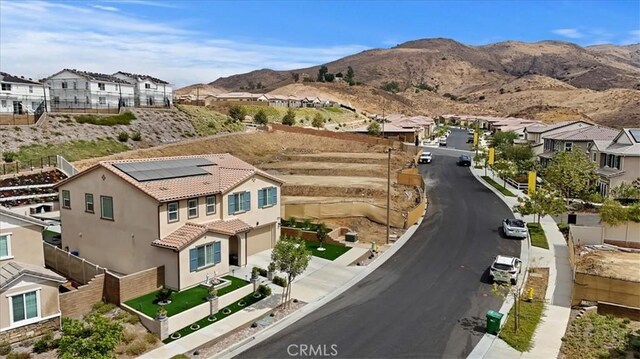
(611, 264)
(315, 169)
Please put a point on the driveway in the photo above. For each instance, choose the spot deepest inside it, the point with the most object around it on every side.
(427, 301)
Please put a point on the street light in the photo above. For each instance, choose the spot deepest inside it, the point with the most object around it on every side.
(388, 190)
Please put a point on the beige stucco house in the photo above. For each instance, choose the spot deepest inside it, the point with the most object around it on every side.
(618, 160)
(29, 304)
(535, 134)
(195, 215)
(574, 140)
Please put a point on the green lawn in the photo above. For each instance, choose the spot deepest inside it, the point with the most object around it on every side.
(538, 238)
(530, 315)
(71, 150)
(249, 300)
(498, 186)
(181, 301)
(331, 251)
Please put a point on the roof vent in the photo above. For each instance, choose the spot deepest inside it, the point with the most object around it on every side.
(164, 189)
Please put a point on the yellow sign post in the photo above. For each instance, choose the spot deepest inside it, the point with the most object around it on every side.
(475, 138)
(532, 182)
(492, 155)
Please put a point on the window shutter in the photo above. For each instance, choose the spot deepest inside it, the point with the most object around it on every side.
(274, 195)
(232, 206)
(217, 257)
(261, 198)
(193, 260)
(247, 201)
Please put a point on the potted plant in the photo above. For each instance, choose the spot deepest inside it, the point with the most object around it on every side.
(161, 312)
(164, 296)
(254, 273)
(213, 292)
(271, 269)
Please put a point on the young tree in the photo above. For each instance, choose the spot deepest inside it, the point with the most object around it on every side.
(261, 118)
(571, 173)
(318, 121)
(373, 129)
(522, 156)
(321, 72)
(503, 138)
(93, 337)
(505, 291)
(542, 202)
(349, 77)
(321, 232)
(505, 169)
(289, 118)
(329, 77)
(613, 212)
(237, 113)
(292, 257)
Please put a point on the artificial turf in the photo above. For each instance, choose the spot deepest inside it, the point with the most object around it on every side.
(331, 251)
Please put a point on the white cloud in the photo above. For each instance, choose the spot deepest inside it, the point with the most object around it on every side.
(106, 8)
(86, 38)
(570, 33)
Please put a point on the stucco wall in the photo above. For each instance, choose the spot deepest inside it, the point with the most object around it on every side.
(256, 216)
(26, 241)
(48, 290)
(627, 234)
(122, 245)
(190, 279)
(585, 235)
(631, 167)
(166, 227)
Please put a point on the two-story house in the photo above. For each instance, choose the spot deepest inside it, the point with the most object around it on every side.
(29, 304)
(20, 95)
(535, 134)
(80, 90)
(574, 140)
(148, 90)
(618, 160)
(195, 215)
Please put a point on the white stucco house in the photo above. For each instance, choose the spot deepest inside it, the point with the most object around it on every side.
(80, 90)
(20, 95)
(148, 90)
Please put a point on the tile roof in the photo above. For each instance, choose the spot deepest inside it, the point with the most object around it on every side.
(590, 133)
(144, 77)
(541, 128)
(189, 232)
(13, 270)
(226, 172)
(17, 79)
(94, 76)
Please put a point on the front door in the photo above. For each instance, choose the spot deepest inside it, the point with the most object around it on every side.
(234, 250)
(17, 107)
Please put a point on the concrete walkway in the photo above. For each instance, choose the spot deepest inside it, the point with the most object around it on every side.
(321, 278)
(547, 337)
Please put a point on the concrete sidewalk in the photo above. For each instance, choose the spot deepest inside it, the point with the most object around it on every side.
(547, 337)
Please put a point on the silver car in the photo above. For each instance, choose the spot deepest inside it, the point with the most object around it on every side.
(515, 228)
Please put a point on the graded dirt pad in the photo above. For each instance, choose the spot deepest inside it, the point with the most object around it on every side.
(321, 199)
(367, 230)
(611, 264)
(335, 181)
(322, 165)
(346, 155)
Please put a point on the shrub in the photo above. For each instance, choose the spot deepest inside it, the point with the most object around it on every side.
(260, 118)
(128, 337)
(5, 348)
(136, 136)
(124, 118)
(164, 295)
(8, 156)
(393, 86)
(102, 307)
(279, 281)
(136, 348)
(289, 118)
(261, 271)
(264, 290)
(179, 356)
(123, 137)
(150, 338)
(237, 112)
(44, 344)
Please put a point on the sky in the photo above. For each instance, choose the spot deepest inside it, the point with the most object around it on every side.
(191, 41)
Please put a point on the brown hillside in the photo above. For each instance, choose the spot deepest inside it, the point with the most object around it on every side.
(199, 89)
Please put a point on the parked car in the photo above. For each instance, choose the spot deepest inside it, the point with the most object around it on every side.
(470, 138)
(505, 269)
(442, 141)
(471, 131)
(514, 228)
(464, 160)
(425, 157)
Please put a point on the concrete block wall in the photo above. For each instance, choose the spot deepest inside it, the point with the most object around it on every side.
(77, 303)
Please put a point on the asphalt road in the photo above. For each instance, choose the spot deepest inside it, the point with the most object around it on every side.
(427, 301)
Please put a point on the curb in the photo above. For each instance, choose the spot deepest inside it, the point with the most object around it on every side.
(250, 342)
(483, 346)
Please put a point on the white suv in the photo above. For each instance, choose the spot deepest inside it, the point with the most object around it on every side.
(505, 269)
(425, 157)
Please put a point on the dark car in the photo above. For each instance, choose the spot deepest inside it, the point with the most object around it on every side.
(464, 160)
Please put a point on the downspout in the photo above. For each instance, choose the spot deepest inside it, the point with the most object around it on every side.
(246, 245)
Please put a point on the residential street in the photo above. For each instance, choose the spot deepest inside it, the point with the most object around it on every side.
(429, 300)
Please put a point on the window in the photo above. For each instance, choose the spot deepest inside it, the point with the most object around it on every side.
(3, 103)
(65, 85)
(192, 208)
(56, 100)
(147, 86)
(24, 306)
(106, 207)
(239, 202)
(100, 86)
(86, 98)
(30, 89)
(116, 87)
(568, 146)
(86, 85)
(548, 145)
(75, 100)
(267, 197)
(594, 157)
(613, 161)
(6, 87)
(211, 205)
(5, 246)
(172, 212)
(75, 85)
(88, 202)
(204, 256)
(66, 199)
(102, 100)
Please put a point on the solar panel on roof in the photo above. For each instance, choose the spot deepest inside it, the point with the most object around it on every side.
(635, 133)
(164, 169)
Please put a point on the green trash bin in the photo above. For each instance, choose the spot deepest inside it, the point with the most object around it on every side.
(493, 322)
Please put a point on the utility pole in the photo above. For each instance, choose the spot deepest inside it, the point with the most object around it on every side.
(388, 191)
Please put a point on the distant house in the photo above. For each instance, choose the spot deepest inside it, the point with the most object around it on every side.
(535, 134)
(148, 90)
(29, 305)
(574, 140)
(195, 215)
(81, 90)
(235, 97)
(618, 159)
(20, 95)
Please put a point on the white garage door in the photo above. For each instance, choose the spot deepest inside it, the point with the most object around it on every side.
(259, 239)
